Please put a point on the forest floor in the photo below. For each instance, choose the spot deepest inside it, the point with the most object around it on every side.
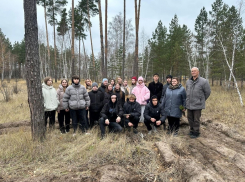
(217, 155)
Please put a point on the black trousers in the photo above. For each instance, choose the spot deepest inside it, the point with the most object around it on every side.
(113, 126)
(93, 116)
(79, 118)
(149, 122)
(173, 124)
(134, 120)
(63, 115)
(51, 116)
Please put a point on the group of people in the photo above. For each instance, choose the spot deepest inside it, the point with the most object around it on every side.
(119, 105)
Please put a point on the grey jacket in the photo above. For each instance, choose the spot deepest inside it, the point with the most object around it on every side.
(172, 101)
(76, 97)
(197, 92)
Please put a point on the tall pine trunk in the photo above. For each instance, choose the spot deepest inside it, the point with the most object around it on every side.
(33, 78)
(89, 25)
(46, 26)
(124, 24)
(106, 6)
(72, 42)
(101, 40)
(55, 60)
(136, 56)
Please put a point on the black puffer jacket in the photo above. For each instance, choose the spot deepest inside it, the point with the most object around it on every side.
(155, 89)
(120, 99)
(156, 112)
(96, 101)
(132, 108)
(107, 97)
(111, 111)
(102, 88)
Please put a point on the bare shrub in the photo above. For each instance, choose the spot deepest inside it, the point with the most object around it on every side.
(6, 91)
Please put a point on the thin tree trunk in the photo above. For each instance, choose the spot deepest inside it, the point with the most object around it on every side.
(34, 88)
(84, 52)
(55, 61)
(46, 26)
(136, 57)
(91, 39)
(101, 40)
(106, 6)
(124, 23)
(72, 43)
(79, 58)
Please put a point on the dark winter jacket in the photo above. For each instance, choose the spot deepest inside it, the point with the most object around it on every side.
(197, 92)
(120, 99)
(132, 108)
(107, 97)
(102, 88)
(76, 97)
(155, 89)
(164, 88)
(172, 101)
(96, 101)
(111, 111)
(156, 112)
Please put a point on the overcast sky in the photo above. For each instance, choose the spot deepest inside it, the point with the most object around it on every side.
(12, 16)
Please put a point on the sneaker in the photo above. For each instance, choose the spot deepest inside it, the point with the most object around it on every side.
(74, 134)
(190, 133)
(175, 134)
(150, 132)
(135, 130)
(96, 122)
(154, 129)
(87, 133)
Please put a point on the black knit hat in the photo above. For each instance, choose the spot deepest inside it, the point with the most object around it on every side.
(169, 76)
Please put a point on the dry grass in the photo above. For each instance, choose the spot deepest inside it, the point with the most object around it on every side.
(81, 155)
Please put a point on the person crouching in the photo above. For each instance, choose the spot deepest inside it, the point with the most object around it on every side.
(153, 114)
(132, 112)
(111, 115)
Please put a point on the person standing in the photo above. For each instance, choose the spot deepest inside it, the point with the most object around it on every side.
(108, 93)
(164, 88)
(174, 102)
(111, 115)
(197, 91)
(126, 89)
(113, 82)
(88, 84)
(62, 114)
(132, 113)
(76, 99)
(120, 94)
(155, 87)
(51, 101)
(154, 115)
(96, 104)
(133, 83)
(142, 94)
(103, 85)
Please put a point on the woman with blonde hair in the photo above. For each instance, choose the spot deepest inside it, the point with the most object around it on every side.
(51, 101)
(61, 111)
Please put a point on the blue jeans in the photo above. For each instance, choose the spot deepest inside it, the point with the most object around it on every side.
(79, 118)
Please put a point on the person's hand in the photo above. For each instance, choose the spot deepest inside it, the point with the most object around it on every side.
(130, 124)
(58, 111)
(86, 108)
(118, 119)
(107, 121)
(158, 123)
(183, 110)
(153, 120)
(127, 116)
(67, 110)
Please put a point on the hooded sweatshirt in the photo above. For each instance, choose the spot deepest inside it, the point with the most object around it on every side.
(51, 101)
(141, 92)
